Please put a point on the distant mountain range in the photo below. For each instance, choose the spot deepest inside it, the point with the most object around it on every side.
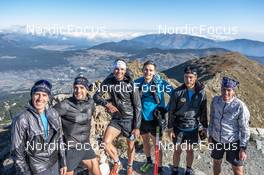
(180, 41)
(166, 58)
(24, 51)
(15, 40)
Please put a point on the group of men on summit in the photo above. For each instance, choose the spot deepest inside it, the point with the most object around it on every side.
(137, 109)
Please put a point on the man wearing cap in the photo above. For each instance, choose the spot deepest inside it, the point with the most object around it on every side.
(76, 114)
(125, 108)
(187, 112)
(36, 140)
(152, 89)
(229, 128)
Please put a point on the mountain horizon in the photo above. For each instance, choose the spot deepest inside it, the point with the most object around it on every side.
(182, 41)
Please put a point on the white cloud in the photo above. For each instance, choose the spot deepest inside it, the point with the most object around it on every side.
(100, 35)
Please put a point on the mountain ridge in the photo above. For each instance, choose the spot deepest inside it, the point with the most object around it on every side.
(212, 68)
(180, 41)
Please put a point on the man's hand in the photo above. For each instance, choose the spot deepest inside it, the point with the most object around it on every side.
(63, 170)
(171, 134)
(242, 154)
(135, 132)
(111, 108)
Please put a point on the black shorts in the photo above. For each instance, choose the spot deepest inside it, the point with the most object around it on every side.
(232, 152)
(123, 125)
(189, 137)
(149, 127)
(74, 157)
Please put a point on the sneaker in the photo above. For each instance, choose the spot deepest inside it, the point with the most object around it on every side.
(146, 167)
(129, 171)
(115, 169)
(189, 171)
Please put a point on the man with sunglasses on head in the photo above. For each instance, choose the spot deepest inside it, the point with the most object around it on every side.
(125, 107)
(36, 141)
(188, 110)
(152, 89)
(76, 114)
(229, 128)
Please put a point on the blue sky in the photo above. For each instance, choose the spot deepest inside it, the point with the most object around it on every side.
(246, 15)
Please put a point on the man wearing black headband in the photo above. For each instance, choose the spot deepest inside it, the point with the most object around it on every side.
(37, 136)
(125, 107)
(229, 128)
(76, 114)
(187, 113)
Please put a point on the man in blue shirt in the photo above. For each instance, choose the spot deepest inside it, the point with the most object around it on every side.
(37, 141)
(151, 88)
(187, 113)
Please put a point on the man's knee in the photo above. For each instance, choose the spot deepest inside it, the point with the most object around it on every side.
(106, 143)
(91, 163)
(93, 166)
